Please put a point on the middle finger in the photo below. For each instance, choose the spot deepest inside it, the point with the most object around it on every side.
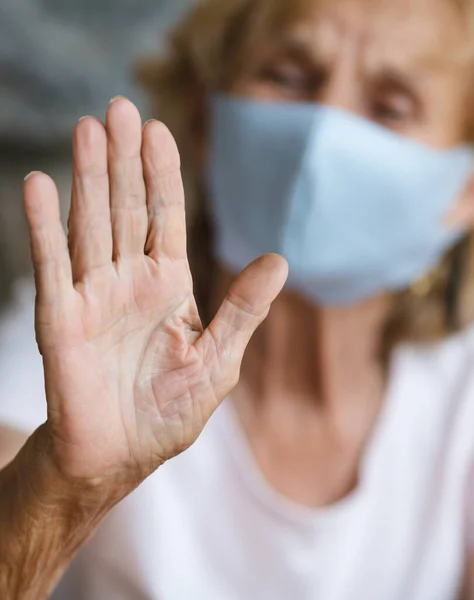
(127, 187)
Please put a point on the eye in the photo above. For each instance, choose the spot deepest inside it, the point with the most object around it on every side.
(387, 113)
(394, 108)
(284, 77)
(290, 80)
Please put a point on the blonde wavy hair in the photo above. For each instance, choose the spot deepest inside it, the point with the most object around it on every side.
(207, 52)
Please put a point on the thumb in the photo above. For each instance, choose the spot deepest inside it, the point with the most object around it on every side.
(245, 307)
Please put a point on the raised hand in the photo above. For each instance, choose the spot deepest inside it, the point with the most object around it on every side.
(131, 377)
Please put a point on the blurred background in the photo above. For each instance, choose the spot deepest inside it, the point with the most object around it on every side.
(60, 60)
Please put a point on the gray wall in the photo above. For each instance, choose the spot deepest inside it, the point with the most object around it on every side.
(60, 60)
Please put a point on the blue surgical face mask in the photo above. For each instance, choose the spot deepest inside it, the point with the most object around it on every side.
(354, 208)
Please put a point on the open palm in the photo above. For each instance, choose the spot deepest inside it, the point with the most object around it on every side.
(131, 377)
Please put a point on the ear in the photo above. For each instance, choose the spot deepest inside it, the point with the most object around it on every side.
(462, 214)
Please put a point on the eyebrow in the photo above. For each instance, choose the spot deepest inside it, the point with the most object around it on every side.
(391, 76)
(299, 49)
(296, 48)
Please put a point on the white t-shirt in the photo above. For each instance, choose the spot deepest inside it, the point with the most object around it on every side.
(207, 526)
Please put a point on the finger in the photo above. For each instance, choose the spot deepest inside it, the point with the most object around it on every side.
(247, 304)
(165, 194)
(127, 187)
(49, 250)
(90, 233)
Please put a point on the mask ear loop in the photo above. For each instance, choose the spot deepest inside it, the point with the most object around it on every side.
(454, 284)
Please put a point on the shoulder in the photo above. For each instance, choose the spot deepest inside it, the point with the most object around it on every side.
(446, 364)
(432, 392)
(22, 396)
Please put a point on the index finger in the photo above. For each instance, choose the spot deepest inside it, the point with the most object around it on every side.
(49, 250)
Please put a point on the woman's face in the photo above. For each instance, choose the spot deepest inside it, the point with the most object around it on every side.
(399, 63)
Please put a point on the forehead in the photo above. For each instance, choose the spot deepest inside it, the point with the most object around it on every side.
(429, 32)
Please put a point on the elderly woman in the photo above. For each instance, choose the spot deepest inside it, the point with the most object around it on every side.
(336, 134)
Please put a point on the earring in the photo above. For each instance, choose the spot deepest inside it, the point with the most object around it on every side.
(425, 285)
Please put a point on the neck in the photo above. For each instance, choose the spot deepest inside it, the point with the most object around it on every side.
(310, 392)
(323, 358)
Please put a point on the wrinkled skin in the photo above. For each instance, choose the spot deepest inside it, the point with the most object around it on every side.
(131, 376)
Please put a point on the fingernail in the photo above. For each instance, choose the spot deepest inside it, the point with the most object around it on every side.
(149, 121)
(84, 117)
(115, 98)
(30, 174)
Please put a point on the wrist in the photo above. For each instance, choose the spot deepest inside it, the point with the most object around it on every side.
(42, 471)
(45, 516)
